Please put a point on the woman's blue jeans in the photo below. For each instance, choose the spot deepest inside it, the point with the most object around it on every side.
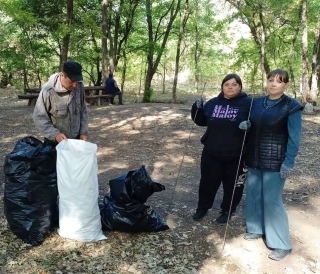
(265, 212)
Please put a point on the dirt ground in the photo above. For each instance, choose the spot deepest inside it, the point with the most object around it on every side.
(164, 139)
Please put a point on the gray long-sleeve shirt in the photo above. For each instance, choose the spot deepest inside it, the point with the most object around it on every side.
(61, 111)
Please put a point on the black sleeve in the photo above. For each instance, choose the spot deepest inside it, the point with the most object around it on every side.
(198, 116)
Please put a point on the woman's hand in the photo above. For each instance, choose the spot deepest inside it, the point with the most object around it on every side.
(199, 103)
(285, 171)
(245, 125)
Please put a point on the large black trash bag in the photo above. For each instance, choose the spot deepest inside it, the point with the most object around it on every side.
(135, 185)
(124, 208)
(30, 192)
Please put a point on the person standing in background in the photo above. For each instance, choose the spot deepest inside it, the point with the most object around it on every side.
(272, 146)
(223, 142)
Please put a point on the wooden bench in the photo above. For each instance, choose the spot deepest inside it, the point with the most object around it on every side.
(97, 98)
(32, 98)
(32, 90)
(93, 95)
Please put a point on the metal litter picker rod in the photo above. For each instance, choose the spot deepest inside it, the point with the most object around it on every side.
(176, 182)
(229, 213)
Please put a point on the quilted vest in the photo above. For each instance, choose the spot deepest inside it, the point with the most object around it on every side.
(268, 136)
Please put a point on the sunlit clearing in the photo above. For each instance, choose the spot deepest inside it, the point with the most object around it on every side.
(171, 146)
(105, 150)
(175, 159)
(114, 166)
(132, 132)
(150, 118)
(123, 142)
(16, 137)
(312, 119)
(188, 160)
(181, 134)
(159, 164)
(101, 121)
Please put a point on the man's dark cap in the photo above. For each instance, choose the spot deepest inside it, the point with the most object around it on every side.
(73, 70)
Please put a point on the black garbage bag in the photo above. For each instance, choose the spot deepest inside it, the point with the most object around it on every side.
(30, 192)
(124, 208)
(140, 184)
(135, 185)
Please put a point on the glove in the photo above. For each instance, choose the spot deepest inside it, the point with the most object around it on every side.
(284, 171)
(245, 125)
(199, 103)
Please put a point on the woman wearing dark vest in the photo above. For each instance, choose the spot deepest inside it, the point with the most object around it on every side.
(223, 141)
(272, 146)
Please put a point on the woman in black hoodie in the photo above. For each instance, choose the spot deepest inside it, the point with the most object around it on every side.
(223, 142)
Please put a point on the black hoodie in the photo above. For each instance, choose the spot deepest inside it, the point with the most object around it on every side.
(222, 117)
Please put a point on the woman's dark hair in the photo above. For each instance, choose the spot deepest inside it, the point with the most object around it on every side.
(282, 74)
(230, 76)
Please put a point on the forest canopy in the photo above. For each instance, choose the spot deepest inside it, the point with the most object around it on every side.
(174, 41)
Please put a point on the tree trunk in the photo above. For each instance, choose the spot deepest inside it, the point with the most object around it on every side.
(264, 63)
(104, 41)
(4, 81)
(292, 78)
(124, 70)
(164, 79)
(196, 60)
(314, 88)
(121, 19)
(183, 21)
(66, 38)
(140, 82)
(153, 39)
(305, 70)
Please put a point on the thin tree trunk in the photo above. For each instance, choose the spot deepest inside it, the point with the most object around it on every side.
(305, 69)
(153, 39)
(104, 40)
(314, 88)
(196, 60)
(4, 81)
(164, 79)
(184, 19)
(291, 71)
(140, 83)
(264, 63)
(124, 70)
(66, 38)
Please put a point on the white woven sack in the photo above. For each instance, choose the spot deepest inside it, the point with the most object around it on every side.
(77, 168)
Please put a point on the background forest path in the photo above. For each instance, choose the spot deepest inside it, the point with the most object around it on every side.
(157, 136)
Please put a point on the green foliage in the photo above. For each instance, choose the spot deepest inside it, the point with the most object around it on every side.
(31, 33)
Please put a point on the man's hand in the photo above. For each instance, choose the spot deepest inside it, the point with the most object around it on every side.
(199, 103)
(245, 125)
(83, 137)
(284, 171)
(60, 137)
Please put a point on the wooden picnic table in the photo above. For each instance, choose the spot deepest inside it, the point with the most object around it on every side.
(93, 94)
(86, 88)
(32, 90)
